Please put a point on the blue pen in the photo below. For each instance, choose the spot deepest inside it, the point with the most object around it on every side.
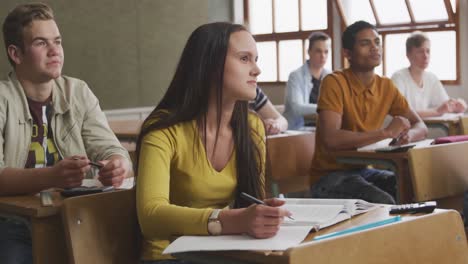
(359, 228)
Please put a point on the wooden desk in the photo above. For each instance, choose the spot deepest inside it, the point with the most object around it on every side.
(126, 130)
(396, 162)
(433, 238)
(450, 124)
(48, 238)
(290, 157)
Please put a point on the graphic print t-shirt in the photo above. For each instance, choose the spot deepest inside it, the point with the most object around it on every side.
(42, 151)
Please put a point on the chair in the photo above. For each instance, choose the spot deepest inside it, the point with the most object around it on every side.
(102, 228)
(440, 172)
(290, 159)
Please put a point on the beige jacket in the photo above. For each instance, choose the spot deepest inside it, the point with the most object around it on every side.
(79, 126)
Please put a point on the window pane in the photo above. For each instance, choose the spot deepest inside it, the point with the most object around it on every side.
(443, 54)
(286, 15)
(392, 12)
(290, 57)
(429, 10)
(328, 64)
(454, 5)
(314, 14)
(260, 16)
(395, 53)
(267, 61)
(357, 10)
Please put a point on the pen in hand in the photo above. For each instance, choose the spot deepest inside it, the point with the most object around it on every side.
(92, 163)
(395, 140)
(255, 200)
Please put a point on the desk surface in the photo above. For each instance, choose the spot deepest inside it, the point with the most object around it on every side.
(126, 129)
(335, 245)
(30, 205)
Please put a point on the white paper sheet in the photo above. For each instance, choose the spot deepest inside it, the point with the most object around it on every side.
(287, 236)
(127, 183)
(384, 143)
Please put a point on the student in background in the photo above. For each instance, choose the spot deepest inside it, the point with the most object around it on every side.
(51, 125)
(422, 89)
(303, 84)
(273, 120)
(352, 107)
(201, 147)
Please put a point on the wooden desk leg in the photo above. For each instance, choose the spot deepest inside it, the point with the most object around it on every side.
(48, 240)
(454, 129)
(404, 184)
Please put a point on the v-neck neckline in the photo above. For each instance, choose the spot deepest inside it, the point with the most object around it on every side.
(203, 150)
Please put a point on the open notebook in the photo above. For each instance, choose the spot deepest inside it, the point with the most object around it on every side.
(307, 214)
(321, 213)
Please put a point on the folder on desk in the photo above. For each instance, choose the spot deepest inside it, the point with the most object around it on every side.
(450, 139)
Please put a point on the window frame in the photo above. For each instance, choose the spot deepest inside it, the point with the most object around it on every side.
(295, 35)
(451, 24)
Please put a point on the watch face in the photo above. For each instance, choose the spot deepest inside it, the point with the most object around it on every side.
(214, 227)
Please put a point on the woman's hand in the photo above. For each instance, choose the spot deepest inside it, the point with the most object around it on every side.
(263, 221)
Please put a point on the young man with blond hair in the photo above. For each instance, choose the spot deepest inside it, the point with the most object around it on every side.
(422, 88)
(51, 125)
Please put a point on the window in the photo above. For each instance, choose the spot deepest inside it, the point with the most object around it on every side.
(396, 19)
(281, 29)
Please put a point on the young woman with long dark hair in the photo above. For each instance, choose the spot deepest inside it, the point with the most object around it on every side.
(201, 147)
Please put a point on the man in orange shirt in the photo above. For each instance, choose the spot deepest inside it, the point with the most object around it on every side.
(352, 106)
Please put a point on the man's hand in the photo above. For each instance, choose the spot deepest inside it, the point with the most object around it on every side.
(115, 170)
(69, 172)
(397, 126)
(445, 107)
(459, 105)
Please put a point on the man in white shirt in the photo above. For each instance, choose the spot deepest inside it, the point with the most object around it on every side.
(422, 89)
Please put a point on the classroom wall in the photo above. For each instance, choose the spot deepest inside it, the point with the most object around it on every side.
(126, 50)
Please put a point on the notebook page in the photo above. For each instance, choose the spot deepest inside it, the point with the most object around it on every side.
(311, 214)
(287, 236)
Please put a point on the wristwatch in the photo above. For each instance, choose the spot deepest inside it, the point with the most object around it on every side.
(214, 225)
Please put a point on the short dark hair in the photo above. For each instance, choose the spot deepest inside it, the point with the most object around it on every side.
(349, 35)
(19, 18)
(316, 36)
(415, 40)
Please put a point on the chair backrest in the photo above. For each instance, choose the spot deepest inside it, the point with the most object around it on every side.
(439, 171)
(102, 228)
(290, 158)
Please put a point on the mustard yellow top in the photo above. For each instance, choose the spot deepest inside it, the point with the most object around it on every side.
(362, 108)
(177, 188)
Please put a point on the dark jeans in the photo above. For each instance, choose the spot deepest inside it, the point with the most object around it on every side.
(15, 242)
(375, 186)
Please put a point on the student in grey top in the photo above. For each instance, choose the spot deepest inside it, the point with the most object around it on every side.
(303, 84)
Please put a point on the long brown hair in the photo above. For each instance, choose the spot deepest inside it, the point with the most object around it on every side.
(201, 67)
